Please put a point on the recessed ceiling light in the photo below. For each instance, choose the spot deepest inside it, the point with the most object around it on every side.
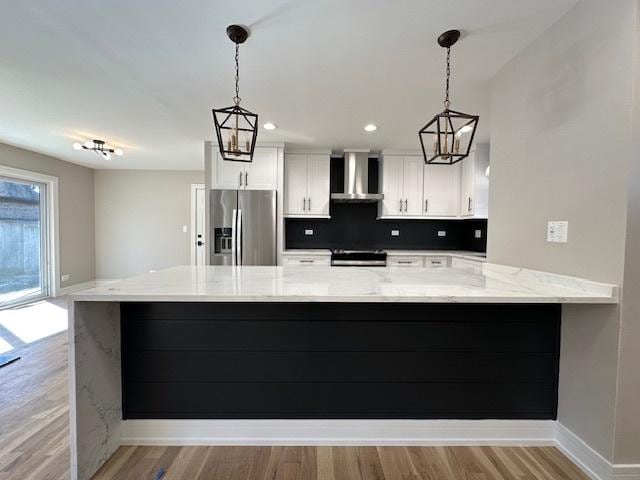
(269, 126)
(370, 128)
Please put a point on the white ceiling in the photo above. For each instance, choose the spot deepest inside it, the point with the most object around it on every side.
(144, 74)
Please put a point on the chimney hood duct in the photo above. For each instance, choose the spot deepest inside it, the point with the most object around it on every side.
(356, 179)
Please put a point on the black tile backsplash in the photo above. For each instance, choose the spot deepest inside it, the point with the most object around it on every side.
(354, 226)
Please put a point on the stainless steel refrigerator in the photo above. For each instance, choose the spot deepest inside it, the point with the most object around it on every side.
(243, 227)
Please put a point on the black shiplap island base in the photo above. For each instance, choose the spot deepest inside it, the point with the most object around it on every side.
(296, 344)
(339, 360)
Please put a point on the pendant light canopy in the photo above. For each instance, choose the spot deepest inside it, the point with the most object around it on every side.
(447, 138)
(236, 127)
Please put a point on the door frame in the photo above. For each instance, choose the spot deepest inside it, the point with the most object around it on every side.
(52, 247)
(192, 243)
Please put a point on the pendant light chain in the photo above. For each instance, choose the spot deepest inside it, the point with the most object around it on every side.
(446, 99)
(236, 99)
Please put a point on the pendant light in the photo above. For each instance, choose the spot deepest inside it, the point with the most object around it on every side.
(236, 127)
(447, 138)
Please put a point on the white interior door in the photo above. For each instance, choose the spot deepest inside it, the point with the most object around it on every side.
(197, 225)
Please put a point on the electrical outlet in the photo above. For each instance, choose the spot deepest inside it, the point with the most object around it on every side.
(395, 233)
(65, 277)
(308, 232)
(478, 233)
(557, 231)
(442, 233)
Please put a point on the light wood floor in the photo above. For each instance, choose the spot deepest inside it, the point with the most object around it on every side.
(339, 463)
(34, 445)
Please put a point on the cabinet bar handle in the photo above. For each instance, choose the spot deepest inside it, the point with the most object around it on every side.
(426, 205)
(246, 178)
(400, 205)
(469, 205)
(309, 203)
(304, 204)
(240, 181)
(405, 262)
(406, 203)
(306, 261)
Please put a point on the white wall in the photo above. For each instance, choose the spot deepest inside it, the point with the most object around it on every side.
(560, 150)
(75, 209)
(139, 218)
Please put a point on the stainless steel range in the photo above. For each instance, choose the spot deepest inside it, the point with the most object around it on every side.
(358, 258)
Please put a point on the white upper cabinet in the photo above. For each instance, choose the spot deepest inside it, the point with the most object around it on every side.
(474, 184)
(412, 183)
(306, 184)
(467, 186)
(441, 190)
(318, 189)
(401, 185)
(260, 174)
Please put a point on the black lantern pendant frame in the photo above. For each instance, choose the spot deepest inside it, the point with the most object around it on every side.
(445, 149)
(227, 119)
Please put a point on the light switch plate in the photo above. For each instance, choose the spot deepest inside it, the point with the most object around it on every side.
(184, 229)
(65, 278)
(308, 232)
(478, 233)
(557, 231)
(442, 233)
(395, 233)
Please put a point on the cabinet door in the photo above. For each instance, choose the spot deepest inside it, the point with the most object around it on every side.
(295, 184)
(318, 191)
(412, 185)
(467, 186)
(262, 172)
(392, 177)
(228, 175)
(441, 190)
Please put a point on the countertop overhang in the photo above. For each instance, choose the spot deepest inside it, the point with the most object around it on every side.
(496, 284)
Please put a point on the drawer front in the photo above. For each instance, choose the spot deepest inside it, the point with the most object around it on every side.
(436, 262)
(470, 265)
(405, 261)
(306, 261)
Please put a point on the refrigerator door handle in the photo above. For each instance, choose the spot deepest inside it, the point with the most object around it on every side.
(234, 236)
(239, 237)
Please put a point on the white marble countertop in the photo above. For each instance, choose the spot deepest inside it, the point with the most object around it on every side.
(496, 284)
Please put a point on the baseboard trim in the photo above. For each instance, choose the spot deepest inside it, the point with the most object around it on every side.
(338, 432)
(378, 432)
(591, 462)
(75, 288)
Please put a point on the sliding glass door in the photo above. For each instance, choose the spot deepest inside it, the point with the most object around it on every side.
(23, 241)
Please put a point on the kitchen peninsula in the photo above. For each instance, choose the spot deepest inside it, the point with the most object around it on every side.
(218, 343)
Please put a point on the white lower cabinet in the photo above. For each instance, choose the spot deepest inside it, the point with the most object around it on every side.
(474, 266)
(405, 261)
(436, 262)
(311, 260)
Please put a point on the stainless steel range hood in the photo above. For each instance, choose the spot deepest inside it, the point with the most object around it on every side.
(356, 179)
